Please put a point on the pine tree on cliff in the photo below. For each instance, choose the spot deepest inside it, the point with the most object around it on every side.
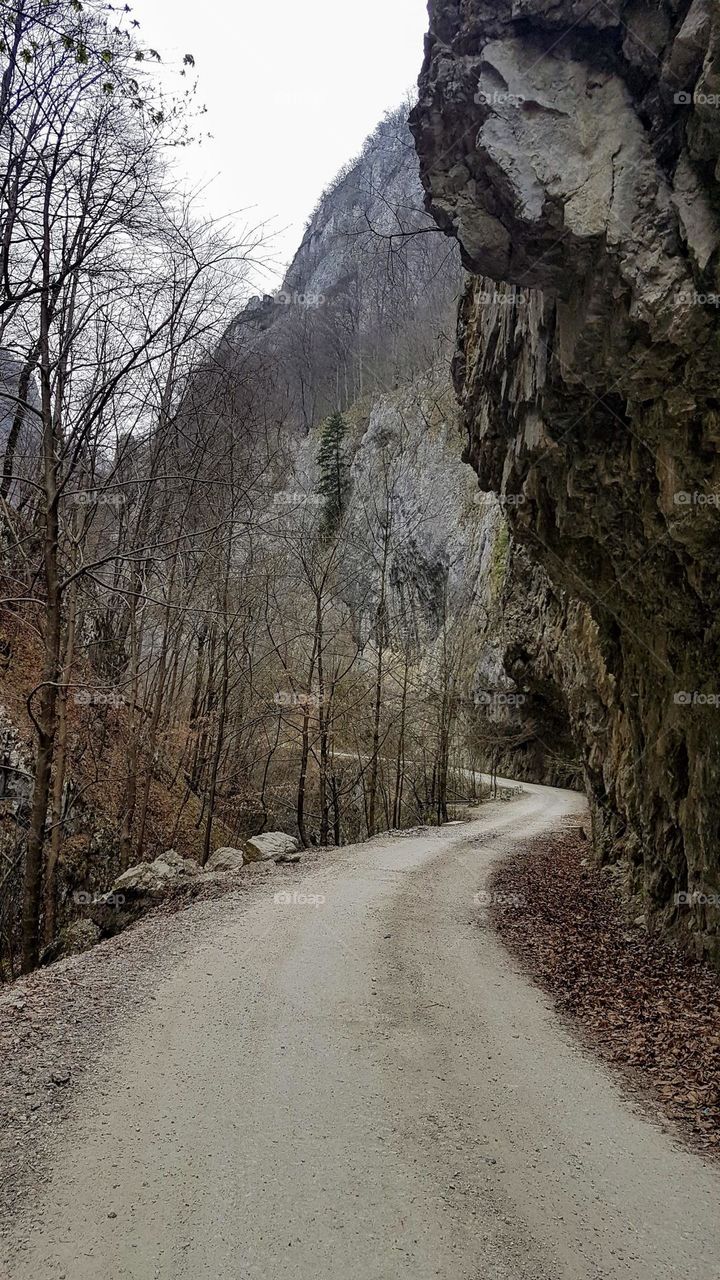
(334, 481)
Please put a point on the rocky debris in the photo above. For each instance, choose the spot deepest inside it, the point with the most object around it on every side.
(639, 1000)
(72, 940)
(146, 876)
(272, 846)
(141, 888)
(225, 860)
(574, 156)
(168, 882)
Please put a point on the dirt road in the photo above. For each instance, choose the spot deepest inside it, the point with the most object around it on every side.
(359, 1085)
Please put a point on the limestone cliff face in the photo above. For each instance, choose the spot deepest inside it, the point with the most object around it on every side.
(368, 292)
(363, 322)
(572, 149)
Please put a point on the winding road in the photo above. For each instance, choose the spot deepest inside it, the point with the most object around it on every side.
(356, 1083)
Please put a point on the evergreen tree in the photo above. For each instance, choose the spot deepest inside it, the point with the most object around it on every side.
(334, 481)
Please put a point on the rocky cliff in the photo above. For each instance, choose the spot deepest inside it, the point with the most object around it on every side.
(572, 150)
(364, 323)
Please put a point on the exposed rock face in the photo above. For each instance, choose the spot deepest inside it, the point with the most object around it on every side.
(572, 149)
(448, 546)
(19, 434)
(370, 281)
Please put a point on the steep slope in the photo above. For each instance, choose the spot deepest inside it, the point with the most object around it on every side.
(572, 150)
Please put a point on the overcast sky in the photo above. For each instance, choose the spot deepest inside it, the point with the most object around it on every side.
(292, 87)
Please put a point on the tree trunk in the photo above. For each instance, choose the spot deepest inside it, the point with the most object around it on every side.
(130, 796)
(400, 759)
(377, 713)
(375, 761)
(155, 721)
(266, 773)
(302, 780)
(217, 754)
(46, 721)
(50, 895)
(322, 720)
(198, 767)
(305, 756)
(337, 834)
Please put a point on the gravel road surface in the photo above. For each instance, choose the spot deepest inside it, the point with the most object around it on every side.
(356, 1083)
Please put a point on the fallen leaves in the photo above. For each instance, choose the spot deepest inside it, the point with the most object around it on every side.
(648, 1008)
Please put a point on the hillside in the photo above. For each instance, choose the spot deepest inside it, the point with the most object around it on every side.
(328, 671)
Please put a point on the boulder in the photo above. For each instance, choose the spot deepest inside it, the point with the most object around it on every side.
(176, 864)
(149, 876)
(142, 887)
(226, 860)
(272, 846)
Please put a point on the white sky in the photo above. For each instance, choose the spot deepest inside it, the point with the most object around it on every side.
(292, 87)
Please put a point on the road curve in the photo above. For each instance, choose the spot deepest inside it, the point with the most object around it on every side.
(366, 1088)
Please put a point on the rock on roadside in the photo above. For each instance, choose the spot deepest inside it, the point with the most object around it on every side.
(226, 860)
(273, 846)
(169, 876)
(140, 888)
